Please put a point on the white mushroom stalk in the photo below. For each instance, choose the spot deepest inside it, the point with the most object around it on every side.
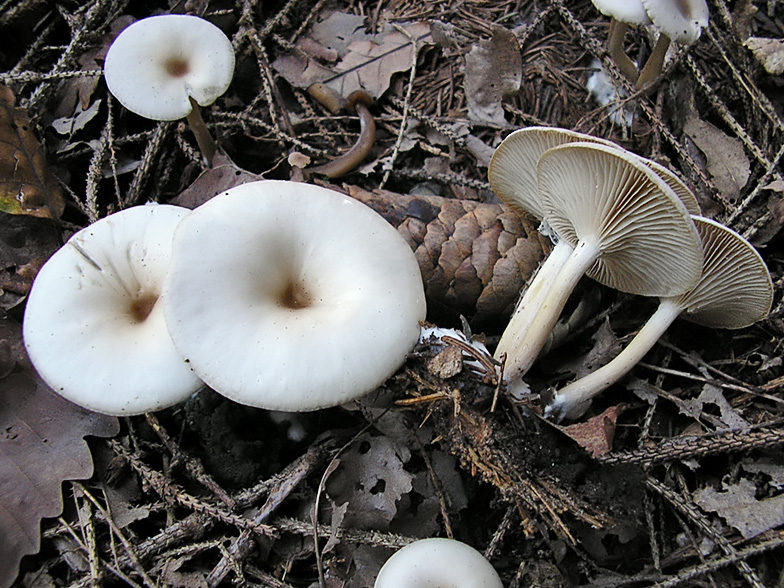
(734, 291)
(292, 297)
(165, 67)
(94, 326)
(624, 227)
(437, 563)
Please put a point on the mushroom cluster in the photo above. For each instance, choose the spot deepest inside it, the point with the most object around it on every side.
(681, 21)
(625, 221)
(277, 294)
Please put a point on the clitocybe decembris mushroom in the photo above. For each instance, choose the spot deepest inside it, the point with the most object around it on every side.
(620, 223)
(734, 291)
(437, 563)
(292, 297)
(94, 326)
(164, 67)
(681, 21)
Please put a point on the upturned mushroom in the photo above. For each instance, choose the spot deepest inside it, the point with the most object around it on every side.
(734, 291)
(292, 297)
(94, 325)
(619, 222)
(164, 67)
(436, 562)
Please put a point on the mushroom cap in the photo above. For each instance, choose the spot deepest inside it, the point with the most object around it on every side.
(157, 64)
(94, 326)
(627, 11)
(680, 20)
(682, 191)
(512, 170)
(609, 198)
(735, 289)
(436, 562)
(292, 297)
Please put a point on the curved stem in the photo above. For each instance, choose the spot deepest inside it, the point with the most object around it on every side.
(527, 309)
(522, 355)
(573, 400)
(204, 139)
(655, 63)
(615, 49)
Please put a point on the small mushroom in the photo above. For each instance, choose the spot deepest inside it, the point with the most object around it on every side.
(164, 67)
(619, 222)
(622, 14)
(94, 326)
(681, 21)
(734, 291)
(292, 297)
(436, 562)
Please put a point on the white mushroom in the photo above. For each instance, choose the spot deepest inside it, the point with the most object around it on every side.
(622, 13)
(681, 21)
(292, 297)
(164, 67)
(94, 326)
(734, 291)
(437, 563)
(624, 227)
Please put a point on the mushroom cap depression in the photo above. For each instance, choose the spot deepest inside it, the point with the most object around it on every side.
(602, 195)
(157, 64)
(93, 325)
(292, 297)
(437, 562)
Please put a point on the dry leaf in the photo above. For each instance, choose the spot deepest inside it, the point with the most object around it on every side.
(367, 62)
(694, 408)
(223, 174)
(493, 71)
(371, 478)
(769, 52)
(41, 445)
(26, 185)
(739, 506)
(596, 434)
(725, 158)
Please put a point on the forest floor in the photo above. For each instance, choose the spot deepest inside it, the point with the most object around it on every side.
(674, 478)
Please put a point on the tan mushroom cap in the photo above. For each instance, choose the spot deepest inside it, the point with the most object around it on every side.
(601, 195)
(512, 171)
(626, 11)
(680, 20)
(735, 289)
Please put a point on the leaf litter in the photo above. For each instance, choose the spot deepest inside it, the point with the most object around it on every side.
(441, 461)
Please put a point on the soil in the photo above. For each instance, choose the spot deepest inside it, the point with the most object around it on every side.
(223, 493)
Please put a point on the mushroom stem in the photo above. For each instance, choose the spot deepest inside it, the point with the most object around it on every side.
(573, 400)
(204, 139)
(615, 49)
(527, 309)
(521, 357)
(655, 63)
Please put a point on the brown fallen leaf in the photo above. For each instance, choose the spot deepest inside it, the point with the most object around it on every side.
(366, 62)
(739, 506)
(26, 184)
(769, 52)
(41, 445)
(596, 434)
(493, 71)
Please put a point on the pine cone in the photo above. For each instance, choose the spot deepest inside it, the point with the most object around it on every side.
(475, 258)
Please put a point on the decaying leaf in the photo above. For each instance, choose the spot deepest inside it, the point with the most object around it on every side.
(41, 445)
(596, 434)
(713, 395)
(366, 62)
(769, 52)
(725, 158)
(26, 185)
(223, 174)
(494, 70)
(371, 479)
(741, 509)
